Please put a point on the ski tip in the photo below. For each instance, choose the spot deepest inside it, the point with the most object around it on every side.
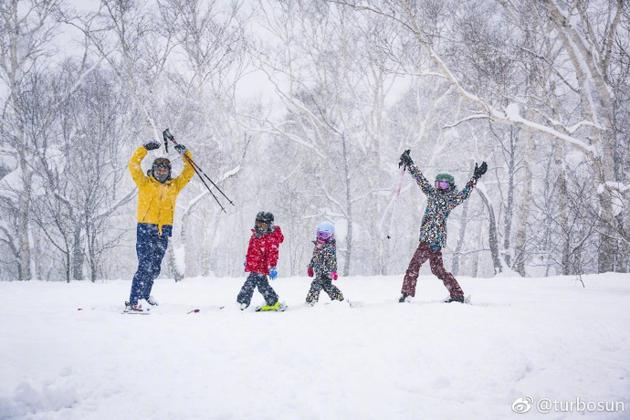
(354, 303)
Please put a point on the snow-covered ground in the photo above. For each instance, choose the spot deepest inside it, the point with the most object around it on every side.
(539, 338)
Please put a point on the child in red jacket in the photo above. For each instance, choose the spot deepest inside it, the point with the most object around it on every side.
(261, 260)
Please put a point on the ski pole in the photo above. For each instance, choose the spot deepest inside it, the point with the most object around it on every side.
(166, 134)
(206, 185)
(211, 181)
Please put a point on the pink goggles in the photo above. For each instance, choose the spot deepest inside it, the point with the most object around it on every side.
(324, 236)
(442, 185)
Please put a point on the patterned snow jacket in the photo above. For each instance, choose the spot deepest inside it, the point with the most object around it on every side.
(324, 259)
(439, 205)
(263, 250)
(156, 201)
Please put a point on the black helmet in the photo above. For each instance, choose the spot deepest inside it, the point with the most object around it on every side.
(265, 217)
(163, 163)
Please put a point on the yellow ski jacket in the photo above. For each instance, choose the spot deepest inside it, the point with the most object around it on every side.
(156, 201)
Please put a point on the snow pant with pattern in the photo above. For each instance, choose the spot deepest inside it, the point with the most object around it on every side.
(150, 247)
(437, 267)
(257, 280)
(323, 282)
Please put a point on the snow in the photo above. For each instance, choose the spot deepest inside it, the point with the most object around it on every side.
(513, 111)
(521, 338)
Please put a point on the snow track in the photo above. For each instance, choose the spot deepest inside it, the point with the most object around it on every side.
(544, 338)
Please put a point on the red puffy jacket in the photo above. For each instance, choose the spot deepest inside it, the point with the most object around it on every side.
(262, 252)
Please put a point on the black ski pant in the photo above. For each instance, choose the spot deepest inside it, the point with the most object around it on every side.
(257, 280)
(323, 282)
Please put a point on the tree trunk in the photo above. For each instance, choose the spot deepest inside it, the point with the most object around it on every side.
(172, 264)
(608, 234)
(346, 170)
(509, 209)
(77, 255)
(563, 211)
(523, 209)
(492, 234)
(475, 262)
(24, 213)
(460, 240)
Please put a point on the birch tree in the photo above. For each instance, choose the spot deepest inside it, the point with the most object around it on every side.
(26, 31)
(587, 44)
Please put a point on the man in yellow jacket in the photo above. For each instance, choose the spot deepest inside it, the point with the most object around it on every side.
(157, 193)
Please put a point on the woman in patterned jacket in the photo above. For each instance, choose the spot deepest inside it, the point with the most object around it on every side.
(441, 199)
(323, 265)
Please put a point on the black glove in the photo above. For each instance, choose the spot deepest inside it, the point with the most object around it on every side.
(480, 170)
(180, 148)
(152, 145)
(405, 159)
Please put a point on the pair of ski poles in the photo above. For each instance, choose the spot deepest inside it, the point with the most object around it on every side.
(167, 136)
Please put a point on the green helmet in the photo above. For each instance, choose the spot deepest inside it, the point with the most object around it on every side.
(445, 177)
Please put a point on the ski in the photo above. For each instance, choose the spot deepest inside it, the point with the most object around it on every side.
(466, 300)
(208, 308)
(350, 303)
(128, 310)
(147, 312)
(355, 303)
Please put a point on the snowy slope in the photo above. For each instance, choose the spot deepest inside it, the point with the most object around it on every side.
(544, 338)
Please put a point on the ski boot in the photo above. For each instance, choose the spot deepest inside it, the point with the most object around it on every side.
(151, 301)
(403, 297)
(450, 299)
(129, 308)
(242, 306)
(337, 296)
(277, 307)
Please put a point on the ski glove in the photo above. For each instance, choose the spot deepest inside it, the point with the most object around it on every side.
(309, 271)
(405, 160)
(333, 275)
(152, 145)
(180, 148)
(480, 170)
(273, 273)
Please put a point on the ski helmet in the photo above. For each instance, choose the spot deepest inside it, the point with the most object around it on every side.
(444, 177)
(325, 230)
(265, 217)
(264, 221)
(157, 169)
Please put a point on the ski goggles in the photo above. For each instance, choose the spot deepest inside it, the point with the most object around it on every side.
(260, 224)
(442, 185)
(324, 236)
